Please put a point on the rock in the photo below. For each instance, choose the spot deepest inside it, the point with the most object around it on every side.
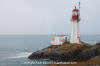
(98, 43)
(68, 52)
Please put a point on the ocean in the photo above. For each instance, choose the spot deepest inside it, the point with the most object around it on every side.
(15, 49)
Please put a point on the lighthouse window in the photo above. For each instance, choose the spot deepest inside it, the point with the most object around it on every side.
(78, 12)
(75, 13)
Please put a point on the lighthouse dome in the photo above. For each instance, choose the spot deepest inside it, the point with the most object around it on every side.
(75, 9)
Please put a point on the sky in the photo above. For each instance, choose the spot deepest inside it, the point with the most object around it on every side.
(47, 16)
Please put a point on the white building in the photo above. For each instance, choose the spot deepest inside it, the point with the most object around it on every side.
(59, 40)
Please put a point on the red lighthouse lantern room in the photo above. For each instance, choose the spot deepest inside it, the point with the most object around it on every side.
(75, 16)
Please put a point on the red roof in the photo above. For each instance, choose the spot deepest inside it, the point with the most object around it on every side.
(75, 9)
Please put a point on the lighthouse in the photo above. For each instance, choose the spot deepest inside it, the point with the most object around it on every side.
(75, 33)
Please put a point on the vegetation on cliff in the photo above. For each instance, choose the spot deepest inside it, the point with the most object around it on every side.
(69, 52)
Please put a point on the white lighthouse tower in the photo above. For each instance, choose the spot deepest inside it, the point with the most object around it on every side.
(75, 34)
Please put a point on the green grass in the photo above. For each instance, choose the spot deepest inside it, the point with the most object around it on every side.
(64, 45)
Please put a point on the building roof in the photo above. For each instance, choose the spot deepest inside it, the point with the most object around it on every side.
(60, 35)
(75, 9)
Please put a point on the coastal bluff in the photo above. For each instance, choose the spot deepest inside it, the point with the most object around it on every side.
(67, 52)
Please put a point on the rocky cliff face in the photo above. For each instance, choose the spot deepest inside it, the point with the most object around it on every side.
(68, 52)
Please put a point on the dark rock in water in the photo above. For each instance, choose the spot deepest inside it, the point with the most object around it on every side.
(98, 43)
(68, 52)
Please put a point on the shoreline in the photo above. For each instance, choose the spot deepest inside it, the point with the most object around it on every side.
(69, 52)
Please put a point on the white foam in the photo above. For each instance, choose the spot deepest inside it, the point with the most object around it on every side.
(21, 55)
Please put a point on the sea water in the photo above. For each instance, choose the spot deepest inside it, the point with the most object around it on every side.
(15, 49)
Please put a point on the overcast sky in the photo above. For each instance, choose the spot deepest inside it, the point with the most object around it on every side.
(47, 16)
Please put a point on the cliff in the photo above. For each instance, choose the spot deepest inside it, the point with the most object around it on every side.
(69, 52)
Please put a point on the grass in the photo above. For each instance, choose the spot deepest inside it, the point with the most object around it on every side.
(64, 46)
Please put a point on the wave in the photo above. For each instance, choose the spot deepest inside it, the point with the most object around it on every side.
(21, 55)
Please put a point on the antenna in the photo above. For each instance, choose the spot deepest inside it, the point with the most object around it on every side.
(79, 5)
